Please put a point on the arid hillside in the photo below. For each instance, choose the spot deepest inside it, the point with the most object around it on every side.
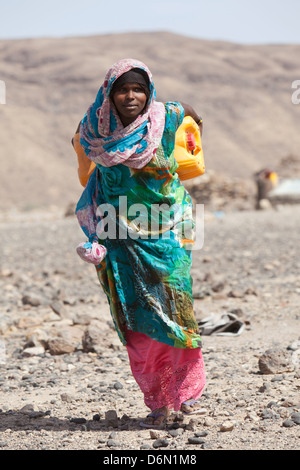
(243, 93)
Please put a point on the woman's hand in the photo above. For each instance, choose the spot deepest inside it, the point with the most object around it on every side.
(189, 111)
(76, 132)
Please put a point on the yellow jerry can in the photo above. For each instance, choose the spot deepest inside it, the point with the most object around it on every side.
(85, 165)
(188, 150)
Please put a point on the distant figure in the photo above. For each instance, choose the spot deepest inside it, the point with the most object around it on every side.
(266, 180)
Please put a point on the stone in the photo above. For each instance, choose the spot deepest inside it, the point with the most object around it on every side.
(195, 440)
(283, 413)
(218, 286)
(58, 308)
(118, 386)
(201, 433)
(190, 426)
(235, 294)
(250, 291)
(290, 402)
(264, 388)
(294, 345)
(288, 423)
(111, 418)
(37, 337)
(295, 417)
(32, 299)
(267, 414)
(264, 204)
(66, 397)
(209, 421)
(112, 443)
(227, 426)
(27, 409)
(175, 432)
(125, 418)
(296, 358)
(275, 361)
(154, 434)
(160, 443)
(59, 346)
(92, 340)
(252, 416)
(68, 340)
(6, 272)
(33, 351)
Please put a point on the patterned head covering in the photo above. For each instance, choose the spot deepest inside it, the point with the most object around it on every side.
(104, 138)
(133, 76)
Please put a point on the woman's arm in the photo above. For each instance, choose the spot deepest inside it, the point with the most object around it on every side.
(76, 132)
(189, 111)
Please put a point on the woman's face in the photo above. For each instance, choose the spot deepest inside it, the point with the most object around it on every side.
(130, 100)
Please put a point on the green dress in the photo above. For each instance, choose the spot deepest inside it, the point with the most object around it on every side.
(144, 219)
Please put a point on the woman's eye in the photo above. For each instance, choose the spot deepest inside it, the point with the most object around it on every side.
(124, 90)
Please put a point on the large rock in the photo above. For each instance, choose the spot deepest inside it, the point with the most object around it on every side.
(275, 361)
(92, 340)
(68, 340)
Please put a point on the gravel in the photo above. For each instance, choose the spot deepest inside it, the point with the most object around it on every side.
(65, 380)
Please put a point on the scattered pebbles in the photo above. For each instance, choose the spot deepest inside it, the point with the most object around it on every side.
(65, 380)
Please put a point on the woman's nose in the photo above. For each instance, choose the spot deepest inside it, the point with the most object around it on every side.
(130, 94)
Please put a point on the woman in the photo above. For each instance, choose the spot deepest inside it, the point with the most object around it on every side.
(138, 219)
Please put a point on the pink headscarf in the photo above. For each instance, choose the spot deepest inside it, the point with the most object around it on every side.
(104, 138)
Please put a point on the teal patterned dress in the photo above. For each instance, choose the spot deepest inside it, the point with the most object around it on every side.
(145, 222)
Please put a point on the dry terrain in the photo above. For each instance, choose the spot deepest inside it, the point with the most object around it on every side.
(65, 378)
(243, 93)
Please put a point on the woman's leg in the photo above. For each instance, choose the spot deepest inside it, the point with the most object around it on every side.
(167, 376)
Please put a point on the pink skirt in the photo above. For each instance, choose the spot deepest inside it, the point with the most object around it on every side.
(167, 376)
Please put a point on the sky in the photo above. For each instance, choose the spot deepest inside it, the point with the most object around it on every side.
(241, 21)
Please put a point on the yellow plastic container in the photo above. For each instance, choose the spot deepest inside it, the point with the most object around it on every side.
(85, 165)
(188, 150)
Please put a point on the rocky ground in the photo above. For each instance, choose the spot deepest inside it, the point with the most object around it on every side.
(65, 380)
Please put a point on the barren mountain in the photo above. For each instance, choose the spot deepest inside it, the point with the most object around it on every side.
(243, 93)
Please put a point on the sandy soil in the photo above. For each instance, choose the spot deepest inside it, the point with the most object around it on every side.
(85, 399)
